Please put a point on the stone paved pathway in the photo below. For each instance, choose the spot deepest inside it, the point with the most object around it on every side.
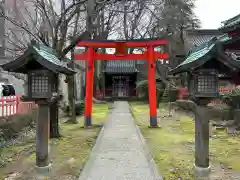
(119, 152)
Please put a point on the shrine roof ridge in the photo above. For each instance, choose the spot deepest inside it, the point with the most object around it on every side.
(231, 22)
(217, 39)
(203, 32)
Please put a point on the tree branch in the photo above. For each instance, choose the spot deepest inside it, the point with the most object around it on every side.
(74, 42)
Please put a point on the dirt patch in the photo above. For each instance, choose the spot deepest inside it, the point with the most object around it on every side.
(172, 145)
(12, 125)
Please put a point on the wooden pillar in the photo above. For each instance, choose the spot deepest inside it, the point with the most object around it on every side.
(202, 168)
(42, 137)
(152, 87)
(89, 87)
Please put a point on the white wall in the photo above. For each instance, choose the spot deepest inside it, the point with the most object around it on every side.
(17, 83)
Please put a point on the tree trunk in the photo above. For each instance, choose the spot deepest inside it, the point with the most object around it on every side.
(71, 99)
(95, 82)
(237, 118)
(54, 122)
(71, 93)
(162, 77)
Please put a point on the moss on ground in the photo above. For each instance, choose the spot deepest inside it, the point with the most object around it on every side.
(172, 145)
(67, 154)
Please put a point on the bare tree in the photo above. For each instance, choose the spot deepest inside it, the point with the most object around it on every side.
(59, 24)
(170, 19)
(173, 17)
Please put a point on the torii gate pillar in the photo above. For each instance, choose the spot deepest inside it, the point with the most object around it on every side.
(152, 93)
(89, 87)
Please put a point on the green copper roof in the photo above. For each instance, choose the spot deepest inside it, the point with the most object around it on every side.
(37, 56)
(196, 37)
(214, 40)
(231, 22)
(224, 38)
(200, 54)
(49, 54)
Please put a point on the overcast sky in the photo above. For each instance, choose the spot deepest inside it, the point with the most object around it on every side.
(213, 12)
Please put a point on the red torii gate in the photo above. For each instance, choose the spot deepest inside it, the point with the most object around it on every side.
(121, 54)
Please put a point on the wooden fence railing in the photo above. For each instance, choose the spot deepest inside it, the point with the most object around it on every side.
(12, 105)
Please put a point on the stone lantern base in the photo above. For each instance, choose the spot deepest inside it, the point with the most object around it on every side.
(44, 171)
(202, 172)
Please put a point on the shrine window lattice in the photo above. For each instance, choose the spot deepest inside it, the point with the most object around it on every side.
(40, 84)
(206, 84)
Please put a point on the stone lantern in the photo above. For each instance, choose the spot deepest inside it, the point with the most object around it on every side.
(202, 86)
(203, 83)
(42, 89)
(208, 64)
(41, 65)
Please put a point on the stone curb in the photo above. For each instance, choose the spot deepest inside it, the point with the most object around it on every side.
(92, 157)
(147, 152)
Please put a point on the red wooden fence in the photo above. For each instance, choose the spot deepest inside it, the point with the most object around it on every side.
(11, 105)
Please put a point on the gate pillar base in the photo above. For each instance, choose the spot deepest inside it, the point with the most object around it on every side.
(88, 121)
